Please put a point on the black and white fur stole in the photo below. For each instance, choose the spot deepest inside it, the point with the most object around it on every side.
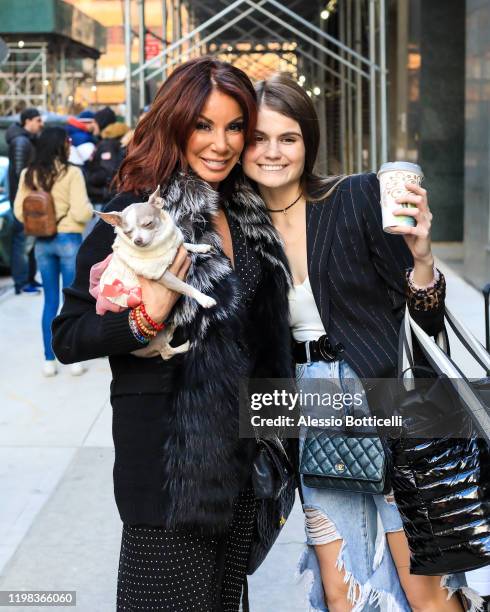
(206, 463)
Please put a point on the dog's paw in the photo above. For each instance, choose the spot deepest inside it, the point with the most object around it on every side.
(167, 351)
(197, 248)
(207, 302)
(203, 248)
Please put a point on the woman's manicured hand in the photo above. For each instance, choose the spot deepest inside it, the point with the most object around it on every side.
(159, 300)
(418, 237)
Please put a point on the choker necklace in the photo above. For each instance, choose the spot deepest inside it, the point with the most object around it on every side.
(283, 210)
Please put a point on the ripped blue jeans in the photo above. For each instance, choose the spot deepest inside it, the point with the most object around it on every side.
(361, 521)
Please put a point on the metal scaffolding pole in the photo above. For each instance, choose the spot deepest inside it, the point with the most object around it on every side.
(358, 47)
(44, 76)
(62, 79)
(348, 91)
(401, 79)
(192, 26)
(373, 161)
(94, 79)
(164, 36)
(178, 21)
(322, 113)
(382, 82)
(55, 82)
(141, 52)
(127, 57)
(343, 110)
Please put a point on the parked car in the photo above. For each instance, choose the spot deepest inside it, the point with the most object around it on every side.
(6, 216)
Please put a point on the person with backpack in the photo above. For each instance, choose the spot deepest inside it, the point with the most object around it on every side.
(53, 204)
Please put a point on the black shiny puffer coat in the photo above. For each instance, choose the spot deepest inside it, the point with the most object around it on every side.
(441, 484)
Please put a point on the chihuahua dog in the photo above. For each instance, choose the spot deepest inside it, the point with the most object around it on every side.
(146, 243)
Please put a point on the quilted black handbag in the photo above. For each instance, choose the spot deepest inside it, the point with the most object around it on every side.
(442, 483)
(344, 463)
(274, 484)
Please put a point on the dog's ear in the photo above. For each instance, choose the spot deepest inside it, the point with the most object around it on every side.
(113, 218)
(155, 199)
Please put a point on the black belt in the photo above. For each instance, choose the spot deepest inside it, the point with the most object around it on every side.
(317, 350)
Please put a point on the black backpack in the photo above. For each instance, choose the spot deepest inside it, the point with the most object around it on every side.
(102, 168)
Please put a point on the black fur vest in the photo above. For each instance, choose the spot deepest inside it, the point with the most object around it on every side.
(196, 464)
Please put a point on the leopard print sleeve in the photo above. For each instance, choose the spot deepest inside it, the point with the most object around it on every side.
(427, 298)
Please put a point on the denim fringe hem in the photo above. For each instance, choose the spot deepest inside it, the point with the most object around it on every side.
(367, 594)
(363, 597)
(476, 603)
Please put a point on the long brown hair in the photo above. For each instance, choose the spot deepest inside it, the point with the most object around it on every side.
(282, 94)
(157, 149)
(50, 159)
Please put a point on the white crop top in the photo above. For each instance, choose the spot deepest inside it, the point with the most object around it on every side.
(305, 319)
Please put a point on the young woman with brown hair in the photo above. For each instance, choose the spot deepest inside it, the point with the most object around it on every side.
(351, 284)
(55, 256)
(181, 473)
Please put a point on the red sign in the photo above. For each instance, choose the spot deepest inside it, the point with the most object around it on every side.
(152, 46)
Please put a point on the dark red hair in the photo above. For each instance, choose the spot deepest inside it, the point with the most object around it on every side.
(158, 146)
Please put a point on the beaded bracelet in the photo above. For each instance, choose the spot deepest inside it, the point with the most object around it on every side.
(144, 329)
(134, 325)
(152, 323)
(143, 326)
(134, 329)
(433, 282)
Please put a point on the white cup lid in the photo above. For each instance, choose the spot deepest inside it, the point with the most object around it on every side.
(401, 165)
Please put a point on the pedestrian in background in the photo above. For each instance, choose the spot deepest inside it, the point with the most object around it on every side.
(79, 129)
(51, 172)
(101, 169)
(20, 139)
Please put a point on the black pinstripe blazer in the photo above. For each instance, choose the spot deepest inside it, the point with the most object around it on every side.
(357, 274)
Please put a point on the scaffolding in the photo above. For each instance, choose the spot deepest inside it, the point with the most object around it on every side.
(24, 77)
(35, 75)
(335, 49)
(48, 50)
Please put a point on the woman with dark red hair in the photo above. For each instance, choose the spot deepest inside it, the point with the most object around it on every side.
(181, 473)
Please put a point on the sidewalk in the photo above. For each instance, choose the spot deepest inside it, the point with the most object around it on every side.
(59, 527)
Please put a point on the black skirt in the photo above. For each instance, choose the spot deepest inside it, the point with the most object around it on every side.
(184, 571)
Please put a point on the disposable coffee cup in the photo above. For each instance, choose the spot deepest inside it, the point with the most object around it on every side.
(392, 178)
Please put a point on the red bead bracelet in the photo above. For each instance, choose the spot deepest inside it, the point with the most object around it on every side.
(154, 324)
